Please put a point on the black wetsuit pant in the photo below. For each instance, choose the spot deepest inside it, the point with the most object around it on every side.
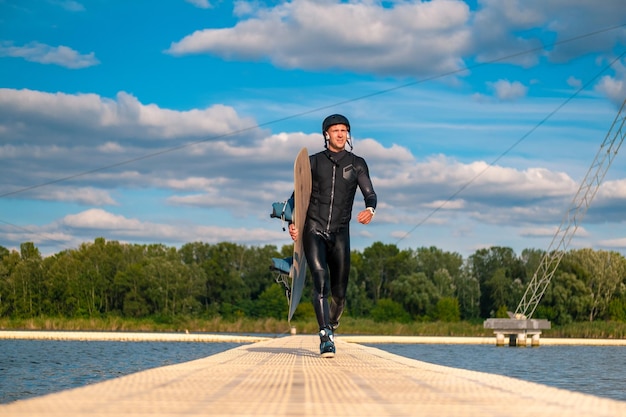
(328, 257)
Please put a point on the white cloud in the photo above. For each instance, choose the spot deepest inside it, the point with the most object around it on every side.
(197, 183)
(574, 82)
(143, 171)
(115, 226)
(71, 5)
(360, 36)
(500, 28)
(446, 204)
(619, 243)
(418, 39)
(201, 4)
(613, 87)
(538, 231)
(242, 176)
(123, 117)
(90, 196)
(100, 219)
(506, 90)
(440, 176)
(63, 56)
(410, 38)
(612, 189)
(111, 147)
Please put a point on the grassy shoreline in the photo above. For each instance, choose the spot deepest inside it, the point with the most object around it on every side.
(586, 330)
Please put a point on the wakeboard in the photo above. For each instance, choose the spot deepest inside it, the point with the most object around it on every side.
(302, 195)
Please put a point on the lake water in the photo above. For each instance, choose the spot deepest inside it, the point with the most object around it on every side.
(30, 368)
(596, 370)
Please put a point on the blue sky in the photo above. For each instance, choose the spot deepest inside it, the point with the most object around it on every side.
(178, 121)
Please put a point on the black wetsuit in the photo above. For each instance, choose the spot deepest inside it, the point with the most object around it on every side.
(335, 177)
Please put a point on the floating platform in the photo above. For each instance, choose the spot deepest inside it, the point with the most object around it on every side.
(287, 377)
(517, 330)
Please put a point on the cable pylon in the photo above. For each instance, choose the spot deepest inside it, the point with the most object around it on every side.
(574, 215)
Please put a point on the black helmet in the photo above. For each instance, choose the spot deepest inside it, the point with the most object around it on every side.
(335, 119)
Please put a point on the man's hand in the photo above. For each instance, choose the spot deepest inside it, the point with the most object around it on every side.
(365, 216)
(293, 232)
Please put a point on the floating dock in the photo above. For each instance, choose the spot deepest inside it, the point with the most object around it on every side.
(287, 377)
(517, 330)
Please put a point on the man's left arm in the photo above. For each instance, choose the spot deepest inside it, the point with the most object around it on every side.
(369, 195)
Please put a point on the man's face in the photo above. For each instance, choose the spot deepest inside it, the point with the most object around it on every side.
(338, 136)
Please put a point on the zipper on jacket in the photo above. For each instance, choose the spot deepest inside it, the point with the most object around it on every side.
(332, 199)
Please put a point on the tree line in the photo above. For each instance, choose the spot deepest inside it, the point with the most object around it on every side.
(105, 278)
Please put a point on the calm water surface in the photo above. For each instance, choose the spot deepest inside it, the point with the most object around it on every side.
(596, 370)
(30, 368)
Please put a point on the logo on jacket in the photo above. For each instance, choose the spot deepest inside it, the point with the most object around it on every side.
(349, 173)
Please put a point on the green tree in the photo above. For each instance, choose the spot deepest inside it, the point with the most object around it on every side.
(225, 288)
(432, 260)
(62, 272)
(176, 288)
(9, 285)
(256, 274)
(387, 310)
(358, 303)
(568, 298)
(531, 259)
(498, 286)
(617, 309)
(603, 273)
(27, 278)
(485, 264)
(443, 282)
(100, 263)
(447, 310)
(415, 293)
(467, 292)
(377, 267)
(132, 284)
(272, 303)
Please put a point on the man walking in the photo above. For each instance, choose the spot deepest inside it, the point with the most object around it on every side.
(336, 173)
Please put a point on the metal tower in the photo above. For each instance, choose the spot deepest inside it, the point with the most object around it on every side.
(520, 322)
(576, 212)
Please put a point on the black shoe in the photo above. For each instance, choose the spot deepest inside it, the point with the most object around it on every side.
(327, 343)
(334, 325)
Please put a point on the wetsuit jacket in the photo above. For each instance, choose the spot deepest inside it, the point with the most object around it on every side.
(335, 177)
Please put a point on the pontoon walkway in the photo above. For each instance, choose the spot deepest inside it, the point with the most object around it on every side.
(286, 377)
